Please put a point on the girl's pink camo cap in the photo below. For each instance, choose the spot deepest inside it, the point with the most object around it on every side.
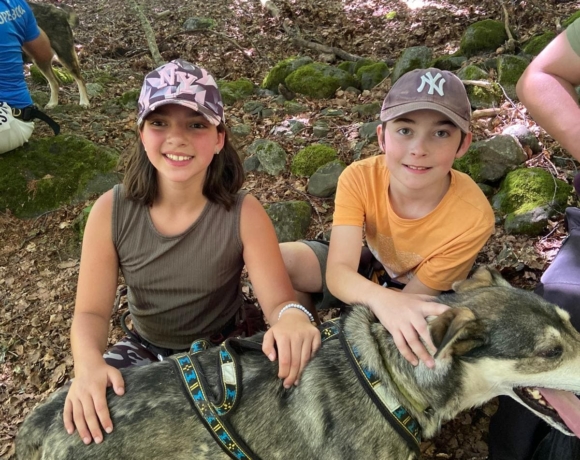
(180, 82)
(432, 89)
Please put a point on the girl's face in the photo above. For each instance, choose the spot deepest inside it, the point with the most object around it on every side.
(180, 143)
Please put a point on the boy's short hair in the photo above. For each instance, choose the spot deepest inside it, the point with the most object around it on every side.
(432, 89)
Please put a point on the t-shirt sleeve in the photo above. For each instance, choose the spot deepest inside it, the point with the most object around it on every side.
(453, 261)
(573, 34)
(30, 30)
(349, 208)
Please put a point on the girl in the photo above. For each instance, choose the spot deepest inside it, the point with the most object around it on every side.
(180, 230)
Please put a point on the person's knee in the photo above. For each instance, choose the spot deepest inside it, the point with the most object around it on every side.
(302, 266)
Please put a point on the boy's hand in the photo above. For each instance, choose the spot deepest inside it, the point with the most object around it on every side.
(406, 322)
(296, 340)
(86, 403)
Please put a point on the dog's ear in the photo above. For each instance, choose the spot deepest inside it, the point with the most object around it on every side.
(483, 277)
(456, 332)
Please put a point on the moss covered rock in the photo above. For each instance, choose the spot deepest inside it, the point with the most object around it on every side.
(509, 70)
(291, 219)
(482, 36)
(371, 75)
(233, 91)
(129, 98)
(47, 173)
(309, 159)
(353, 66)
(415, 57)
(450, 63)
(480, 97)
(536, 44)
(319, 81)
(529, 197)
(281, 70)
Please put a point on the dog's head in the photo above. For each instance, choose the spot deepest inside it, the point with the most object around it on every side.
(512, 342)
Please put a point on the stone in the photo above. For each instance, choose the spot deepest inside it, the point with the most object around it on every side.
(319, 81)
(324, 181)
(415, 57)
(371, 75)
(281, 70)
(320, 129)
(368, 131)
(536, 44)
(367, 110)
(482, 36)
(509, 70)
(450, 63)
(309, 159)
(293, 108)
(47, 173)
(233, 91)
(253, 107)
(240, 131)
(271, 156)
(524, 136)
(491, 159)
(480, 97)
(291, 219)
(199, 23)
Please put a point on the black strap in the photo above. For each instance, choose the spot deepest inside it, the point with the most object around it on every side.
(32, 112)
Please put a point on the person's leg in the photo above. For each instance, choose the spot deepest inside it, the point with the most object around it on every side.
(129, 352)
(306, 270)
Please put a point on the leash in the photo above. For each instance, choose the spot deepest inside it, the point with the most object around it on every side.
(32, 112)
(214, 409)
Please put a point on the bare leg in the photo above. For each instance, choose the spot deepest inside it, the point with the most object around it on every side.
(304, 270)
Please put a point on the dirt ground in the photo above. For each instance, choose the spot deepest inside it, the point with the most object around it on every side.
(39, 258)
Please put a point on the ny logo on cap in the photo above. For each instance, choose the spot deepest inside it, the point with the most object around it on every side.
(431, 80)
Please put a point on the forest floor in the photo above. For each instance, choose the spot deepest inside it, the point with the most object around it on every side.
(39, 258)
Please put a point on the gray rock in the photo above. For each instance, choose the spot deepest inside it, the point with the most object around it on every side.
(324, 181)
(367, 110)
(489, 160)
(240, 131)
(509, 70)
(293, 108)
(320, 129)
(415, 57)
(368, 131)
(271, 156)
(291, 219)
(524, 136)
(94, 89)
(253, 107)
(450, 63)
(482, 36)
(330, 112)
(196, 23)
(251, 164)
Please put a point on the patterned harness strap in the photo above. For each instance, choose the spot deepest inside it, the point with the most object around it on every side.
(399, 417)
(214, 409)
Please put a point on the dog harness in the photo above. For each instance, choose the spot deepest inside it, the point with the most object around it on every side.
(213, 410)
(31, 112)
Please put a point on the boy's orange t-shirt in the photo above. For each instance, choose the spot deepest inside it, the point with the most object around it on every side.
(439, 248)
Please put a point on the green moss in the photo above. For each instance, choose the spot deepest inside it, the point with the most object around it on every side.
(129, 99)
(472, 72)
(509, 70)
(536, 44)
(570, 19)
(290, 218)
(62, 75)
(319, 80)
(450, 63)
(233, 91)
(525, 189)
(281, 70)
(309, 159)
(482, 36)
(46, 173)
(371, 75)
(470, 164)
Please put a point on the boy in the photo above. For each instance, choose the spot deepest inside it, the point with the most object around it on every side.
(423, 221)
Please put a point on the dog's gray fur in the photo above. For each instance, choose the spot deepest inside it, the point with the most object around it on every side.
(493, 339)
(56, 24)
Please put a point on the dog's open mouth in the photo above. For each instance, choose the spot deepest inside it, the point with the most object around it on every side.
(563, 407)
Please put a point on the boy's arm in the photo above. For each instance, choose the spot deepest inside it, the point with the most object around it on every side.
(546, 88)
(402, 314)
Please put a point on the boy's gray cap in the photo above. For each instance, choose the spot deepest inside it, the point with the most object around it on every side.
(432, 89)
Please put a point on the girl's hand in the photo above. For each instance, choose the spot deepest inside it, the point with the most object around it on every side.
(296, 339)
(86, 403)
(405, 320)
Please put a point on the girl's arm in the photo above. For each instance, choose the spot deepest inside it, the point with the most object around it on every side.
(296, 338)
(86, 403)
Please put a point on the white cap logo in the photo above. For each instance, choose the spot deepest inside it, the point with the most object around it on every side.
(431, 80)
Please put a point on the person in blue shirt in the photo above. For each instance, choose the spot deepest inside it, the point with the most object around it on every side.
(18, 31)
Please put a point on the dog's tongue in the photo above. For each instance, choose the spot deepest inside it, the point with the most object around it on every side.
(567, 405)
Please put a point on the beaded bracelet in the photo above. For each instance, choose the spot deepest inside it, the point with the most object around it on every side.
(299, 307)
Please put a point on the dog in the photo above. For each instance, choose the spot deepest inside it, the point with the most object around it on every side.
(55, 23)
(494, 340)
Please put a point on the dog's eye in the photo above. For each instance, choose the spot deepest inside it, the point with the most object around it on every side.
(551, 353)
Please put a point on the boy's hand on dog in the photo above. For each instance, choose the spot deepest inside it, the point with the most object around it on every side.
(296, 339)
(406, 323)
(86, 403)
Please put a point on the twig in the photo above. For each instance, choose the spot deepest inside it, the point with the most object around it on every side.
(482, 83)
(511, 43)
(297, 40)
(149, 34)
(483, 113)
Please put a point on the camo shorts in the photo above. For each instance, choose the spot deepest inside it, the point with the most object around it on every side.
(131, 352)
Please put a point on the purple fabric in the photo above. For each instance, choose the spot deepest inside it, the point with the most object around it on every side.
(180, 82)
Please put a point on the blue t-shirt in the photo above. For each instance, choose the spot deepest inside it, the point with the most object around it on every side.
(17, 26)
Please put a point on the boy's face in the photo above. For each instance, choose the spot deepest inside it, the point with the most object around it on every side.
(420, 148)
